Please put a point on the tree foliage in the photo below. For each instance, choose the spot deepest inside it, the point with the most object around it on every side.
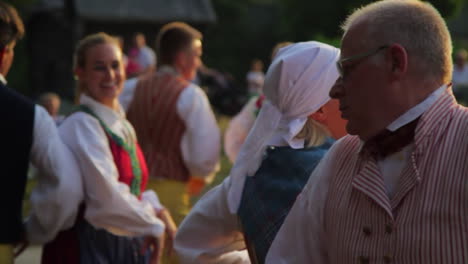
(248, 29)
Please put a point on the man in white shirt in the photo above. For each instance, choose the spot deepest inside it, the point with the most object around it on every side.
(175, 125)
(394, 190)
(30, 135)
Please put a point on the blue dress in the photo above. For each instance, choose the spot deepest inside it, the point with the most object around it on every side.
(269, 195)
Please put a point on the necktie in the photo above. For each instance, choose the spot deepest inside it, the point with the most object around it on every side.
(386, 142)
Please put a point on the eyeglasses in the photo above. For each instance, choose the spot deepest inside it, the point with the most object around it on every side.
(339, 64)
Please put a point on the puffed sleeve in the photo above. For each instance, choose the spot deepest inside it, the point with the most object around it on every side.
(55, 199)
(201, 141)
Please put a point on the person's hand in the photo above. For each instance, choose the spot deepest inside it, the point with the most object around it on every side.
(171, 230)
(156, 244)
(195, 186)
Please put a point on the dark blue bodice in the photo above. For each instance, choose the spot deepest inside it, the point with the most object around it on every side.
(269, 195)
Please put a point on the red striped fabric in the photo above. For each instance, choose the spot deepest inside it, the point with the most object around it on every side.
(426, 221)
(159, 129)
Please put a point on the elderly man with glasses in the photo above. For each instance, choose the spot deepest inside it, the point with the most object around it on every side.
(395, 189)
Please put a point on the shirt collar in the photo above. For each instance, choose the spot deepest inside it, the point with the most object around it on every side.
(168, 69)
(2, 79)
(108, 115)
(417, 110)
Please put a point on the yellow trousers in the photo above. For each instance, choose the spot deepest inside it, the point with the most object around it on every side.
(6, 254)
(174, 196)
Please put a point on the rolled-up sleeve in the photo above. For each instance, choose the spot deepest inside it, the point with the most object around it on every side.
(210, 233)
(55, 199)
(201, 141)
(109, 203)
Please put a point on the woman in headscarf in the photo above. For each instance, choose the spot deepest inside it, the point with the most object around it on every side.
(290, 136)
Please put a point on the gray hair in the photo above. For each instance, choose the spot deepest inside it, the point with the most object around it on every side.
(415, 25)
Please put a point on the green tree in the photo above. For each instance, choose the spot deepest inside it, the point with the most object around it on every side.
(302, 19)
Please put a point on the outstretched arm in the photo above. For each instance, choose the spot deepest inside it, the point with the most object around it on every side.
(210, 233)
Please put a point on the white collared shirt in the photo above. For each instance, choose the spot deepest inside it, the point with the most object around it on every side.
(392, 165)
(417, 110)
(109, 203)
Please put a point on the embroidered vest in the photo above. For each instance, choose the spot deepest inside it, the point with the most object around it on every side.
(269, 195)
(153, 113)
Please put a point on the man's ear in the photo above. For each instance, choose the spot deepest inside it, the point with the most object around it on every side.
(399, 60)
(320, 116)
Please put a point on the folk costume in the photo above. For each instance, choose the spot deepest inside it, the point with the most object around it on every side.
(116, 211)
(247, 209)
(178, 134)
(365, 206)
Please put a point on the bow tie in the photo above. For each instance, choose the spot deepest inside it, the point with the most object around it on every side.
(386, 142)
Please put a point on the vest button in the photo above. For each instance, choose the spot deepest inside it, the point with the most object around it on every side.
(388, 228)
(388, 259)
(363, 259)
(367, 231)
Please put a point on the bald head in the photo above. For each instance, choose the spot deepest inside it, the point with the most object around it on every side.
(415, 25)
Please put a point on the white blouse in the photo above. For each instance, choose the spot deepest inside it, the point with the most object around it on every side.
(109, 203)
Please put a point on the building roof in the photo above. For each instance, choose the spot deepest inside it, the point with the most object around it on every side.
(147, 10)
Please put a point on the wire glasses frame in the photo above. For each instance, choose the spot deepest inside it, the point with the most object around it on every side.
(339, 63)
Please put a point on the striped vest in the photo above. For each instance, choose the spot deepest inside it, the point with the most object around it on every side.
(159, 129)
(426, 221)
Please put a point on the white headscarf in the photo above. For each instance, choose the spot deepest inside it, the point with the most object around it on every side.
(297, 84)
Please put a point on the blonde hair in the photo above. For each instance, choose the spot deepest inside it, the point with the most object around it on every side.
(417, 26)
(278, 46)
(79, 57)
(313, 133)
